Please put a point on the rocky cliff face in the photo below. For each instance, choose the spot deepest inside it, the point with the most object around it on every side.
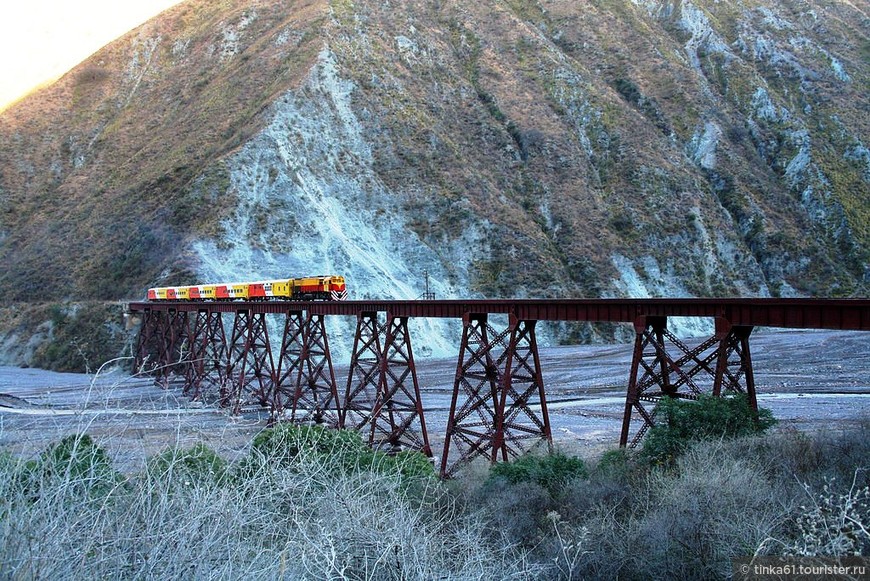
(510, 148)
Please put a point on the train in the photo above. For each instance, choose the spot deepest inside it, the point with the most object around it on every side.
(329, 287)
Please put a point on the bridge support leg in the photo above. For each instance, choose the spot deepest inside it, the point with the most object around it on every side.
(383, 396)
(497, 388)
(290, 362)
(734, 365)
(216, 358)
(193, 372)
(208, 354)
(306, 384)
(522, 382)
(398, 406)
(181, 354)
(251, 368)
(364, 376)
(148, 342)
(172, 345)
(705, 368)
(165, 347)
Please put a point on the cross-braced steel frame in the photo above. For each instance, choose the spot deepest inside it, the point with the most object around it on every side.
(364, 376)
(250, 368)
(306, 390)
(397, 418)
(162, 346)
(206, 374)
(146, 358)
(665, 366)
(383, 396)
(498, 381)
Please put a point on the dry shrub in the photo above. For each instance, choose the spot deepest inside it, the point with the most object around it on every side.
(719, 505)
(516, 511)
(310, 517)
(834, 523)
(278, 522)
(813, 458)
(682, 523)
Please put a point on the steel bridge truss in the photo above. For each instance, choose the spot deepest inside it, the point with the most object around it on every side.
(161, 347)
(383, 396)
(239, 369)
(664, 366)
(305, 390)
(498, 407)
(498, 385)
(206, 371)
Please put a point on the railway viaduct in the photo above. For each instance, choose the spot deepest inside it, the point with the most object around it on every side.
(223, 351)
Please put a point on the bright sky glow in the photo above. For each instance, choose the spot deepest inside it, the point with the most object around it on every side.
(40, 40)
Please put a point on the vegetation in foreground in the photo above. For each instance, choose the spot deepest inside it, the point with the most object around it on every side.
(312, 503)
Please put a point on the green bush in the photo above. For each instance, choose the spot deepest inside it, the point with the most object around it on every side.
(285, 442)
(681, 422)
(18, 478)
(77, 462)
(551, 472)
(196, 466)
(609, 482)
(614, 463)
(337, 450)
(412, 464)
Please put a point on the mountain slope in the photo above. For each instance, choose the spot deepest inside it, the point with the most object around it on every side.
(108, 170)
(508, 147)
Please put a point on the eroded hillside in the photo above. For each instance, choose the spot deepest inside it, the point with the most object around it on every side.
(509, 148)
(108, 174)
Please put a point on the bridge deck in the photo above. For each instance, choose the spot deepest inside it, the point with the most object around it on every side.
(844, 314)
